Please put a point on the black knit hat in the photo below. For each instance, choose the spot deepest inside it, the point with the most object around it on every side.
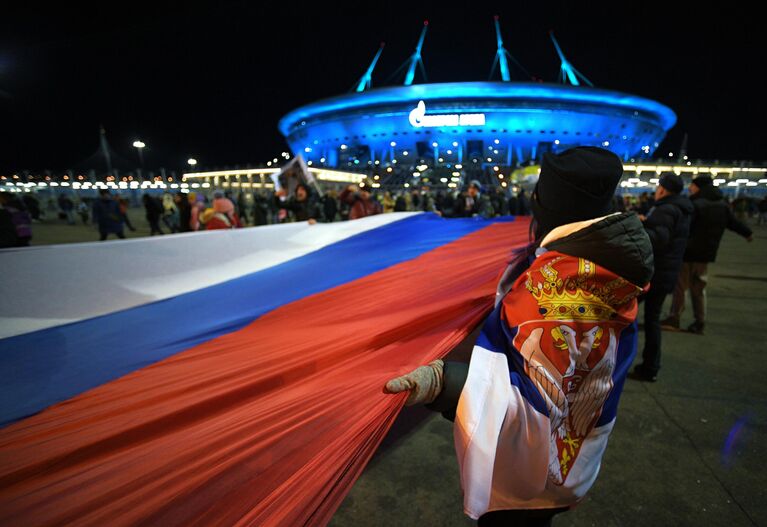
(476, 184)
(672, 183)
(703, 181)
(576, 185)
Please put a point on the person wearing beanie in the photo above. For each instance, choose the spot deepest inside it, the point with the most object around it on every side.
(535, 406)
(668, 225)
(473, 203)
(711, 217)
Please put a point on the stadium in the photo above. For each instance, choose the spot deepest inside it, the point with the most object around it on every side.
(469, 128)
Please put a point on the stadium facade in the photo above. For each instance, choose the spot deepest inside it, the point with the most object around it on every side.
(472, 124)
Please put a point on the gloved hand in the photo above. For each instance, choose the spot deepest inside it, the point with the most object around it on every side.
(425, 383)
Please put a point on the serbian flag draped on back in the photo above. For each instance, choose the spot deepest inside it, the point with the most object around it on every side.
(226, 377)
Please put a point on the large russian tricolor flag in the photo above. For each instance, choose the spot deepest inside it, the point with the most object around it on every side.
(225, 377)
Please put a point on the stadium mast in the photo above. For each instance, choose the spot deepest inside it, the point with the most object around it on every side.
(367, 79)
(502, 57)
(105, 150)
(501, 54)
(415, 59)
(567, 71)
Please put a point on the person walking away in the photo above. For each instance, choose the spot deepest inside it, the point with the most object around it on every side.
(154, 209)
(710, 219)
(106, 214)
(535, 407)
(668, 225)
(360, 202)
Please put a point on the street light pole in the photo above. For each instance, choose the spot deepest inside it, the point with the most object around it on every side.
(140, 146)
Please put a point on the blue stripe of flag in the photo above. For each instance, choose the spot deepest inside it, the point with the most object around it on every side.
(51, 365)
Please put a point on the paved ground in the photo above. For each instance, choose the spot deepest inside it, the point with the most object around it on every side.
(685, 450)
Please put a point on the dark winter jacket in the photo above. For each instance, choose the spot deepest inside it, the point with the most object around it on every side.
(618, 243)
(481, 206)
(153, 208)
(106, 213)
(712, 216)
(301, 210)
(668, 226)
(329, 208)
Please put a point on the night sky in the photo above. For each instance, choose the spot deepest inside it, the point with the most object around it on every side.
(212, 81)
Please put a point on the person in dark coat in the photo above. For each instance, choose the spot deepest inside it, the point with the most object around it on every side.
(184, 212)
(302, 206)
(154, 210)
(329, 206)
(473, 203)
(400, 203)
(668, 225)
(260, 209)
(106, 214)
(712, 216)
(242, 207)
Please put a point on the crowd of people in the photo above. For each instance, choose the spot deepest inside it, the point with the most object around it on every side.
(193, 211)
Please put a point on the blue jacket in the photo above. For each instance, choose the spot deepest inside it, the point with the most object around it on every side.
(106, 212)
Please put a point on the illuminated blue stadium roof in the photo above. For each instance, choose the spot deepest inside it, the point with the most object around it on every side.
(475, 125)
(489, 91)
(470, 128)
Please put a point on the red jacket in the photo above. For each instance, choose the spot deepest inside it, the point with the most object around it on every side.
(359, 207)
(220, 221)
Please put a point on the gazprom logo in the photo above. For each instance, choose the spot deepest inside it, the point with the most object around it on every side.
(419, 119)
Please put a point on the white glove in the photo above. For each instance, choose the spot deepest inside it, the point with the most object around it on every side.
(425, 383)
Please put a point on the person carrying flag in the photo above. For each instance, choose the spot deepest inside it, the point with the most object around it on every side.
(534, 408)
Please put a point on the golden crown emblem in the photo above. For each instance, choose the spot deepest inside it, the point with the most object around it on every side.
(563, 299)
(563, 304)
